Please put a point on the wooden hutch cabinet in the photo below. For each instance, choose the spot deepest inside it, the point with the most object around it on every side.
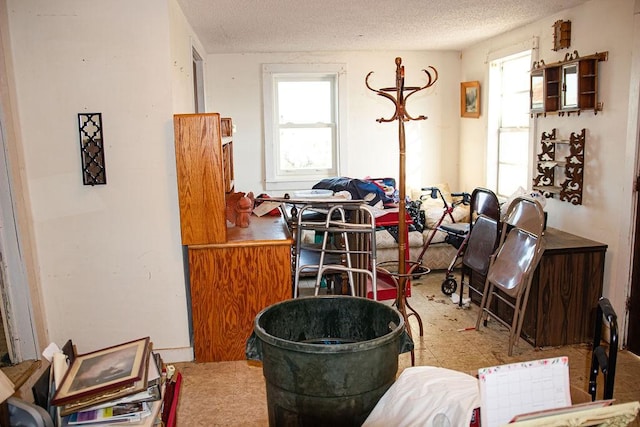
(233, 272)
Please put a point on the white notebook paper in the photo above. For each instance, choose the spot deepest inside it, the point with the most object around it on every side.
(518, 388)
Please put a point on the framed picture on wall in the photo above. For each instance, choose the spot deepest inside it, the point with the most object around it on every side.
(470, 99)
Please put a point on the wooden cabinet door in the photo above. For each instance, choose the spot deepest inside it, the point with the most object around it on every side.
(567, 288)
(201, 191)
(229, 287)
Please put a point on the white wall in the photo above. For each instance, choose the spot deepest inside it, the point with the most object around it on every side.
(235, 90)
(110, 256)
(447, 148)
(596, 26)
(183, 40)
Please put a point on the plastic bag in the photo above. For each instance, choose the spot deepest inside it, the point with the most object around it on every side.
(534, 194)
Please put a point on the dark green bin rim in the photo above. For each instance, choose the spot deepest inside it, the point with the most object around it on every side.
(315, 348)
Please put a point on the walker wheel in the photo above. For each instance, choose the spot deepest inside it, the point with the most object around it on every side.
(419, 271)
(449, 286)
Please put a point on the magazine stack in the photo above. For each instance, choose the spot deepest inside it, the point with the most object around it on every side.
(123, 384)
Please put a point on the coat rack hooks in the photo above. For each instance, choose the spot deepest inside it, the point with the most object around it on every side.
(401, 115)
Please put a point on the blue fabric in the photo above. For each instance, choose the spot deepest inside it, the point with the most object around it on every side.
(359, 189)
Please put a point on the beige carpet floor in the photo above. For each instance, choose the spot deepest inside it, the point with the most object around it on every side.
(233, 393)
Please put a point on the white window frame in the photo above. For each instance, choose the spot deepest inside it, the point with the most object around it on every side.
(494, 116)
(275, 179)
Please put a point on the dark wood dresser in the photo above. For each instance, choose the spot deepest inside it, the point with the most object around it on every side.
(564, 292)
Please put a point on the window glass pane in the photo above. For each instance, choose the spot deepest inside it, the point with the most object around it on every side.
(516, 109)
(305, 149)
(513, 148)
(303, 109)
(304, 102)
(510, 102)
(518, 71)
(511, 177)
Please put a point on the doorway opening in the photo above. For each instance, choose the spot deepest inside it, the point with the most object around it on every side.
(198, 81)
(18, 339)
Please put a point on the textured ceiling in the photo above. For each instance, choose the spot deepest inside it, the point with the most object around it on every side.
(244, 26)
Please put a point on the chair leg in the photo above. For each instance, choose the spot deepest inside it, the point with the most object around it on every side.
(486, 300)
(522, 310)
(462, 286)
(513, 330)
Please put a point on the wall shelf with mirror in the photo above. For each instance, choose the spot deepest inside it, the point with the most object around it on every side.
(566, 87)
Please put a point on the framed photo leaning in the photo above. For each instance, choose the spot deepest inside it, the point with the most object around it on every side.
(104, 371)
(470, 99)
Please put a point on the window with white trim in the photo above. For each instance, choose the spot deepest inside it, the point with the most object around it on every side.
(509, 153)
(303, 104)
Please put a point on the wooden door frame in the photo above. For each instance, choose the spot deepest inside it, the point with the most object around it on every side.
(632, 171)
(632, 336)
(21, 294)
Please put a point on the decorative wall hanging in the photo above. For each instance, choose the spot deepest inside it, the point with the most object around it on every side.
(470, 99)
(561, 175)
(561, 35)
(92, 148)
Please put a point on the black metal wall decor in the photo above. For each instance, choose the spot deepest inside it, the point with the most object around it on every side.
(92, 148)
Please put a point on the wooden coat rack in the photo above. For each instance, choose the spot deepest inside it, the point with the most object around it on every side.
(401, 115)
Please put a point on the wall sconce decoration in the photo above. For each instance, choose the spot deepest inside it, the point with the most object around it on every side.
(92, 148)
(561, 35)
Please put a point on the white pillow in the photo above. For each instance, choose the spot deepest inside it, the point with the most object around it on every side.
(425, 396)
(432, 215)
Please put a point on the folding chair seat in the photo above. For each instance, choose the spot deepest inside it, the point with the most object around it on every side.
(485, 204)
(603, 360)
(481, 244)
(511, 267)
(482, 202)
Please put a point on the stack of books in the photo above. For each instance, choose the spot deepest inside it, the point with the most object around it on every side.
(124, 383)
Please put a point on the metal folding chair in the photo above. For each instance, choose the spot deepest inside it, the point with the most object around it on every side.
(482, 243)
(511, 267)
